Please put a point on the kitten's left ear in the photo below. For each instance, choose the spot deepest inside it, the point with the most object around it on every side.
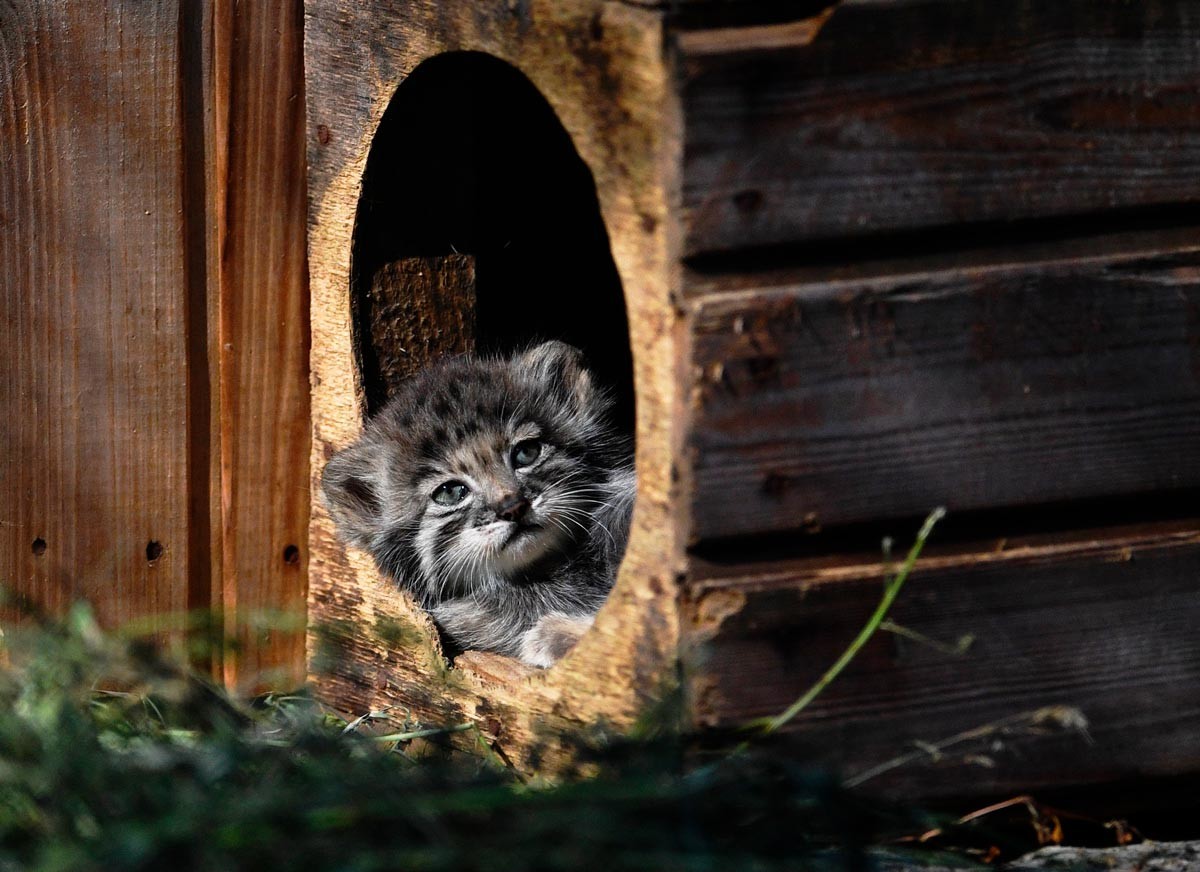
(563, 368)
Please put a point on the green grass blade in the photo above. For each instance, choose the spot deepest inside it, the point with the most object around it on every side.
(890, 591)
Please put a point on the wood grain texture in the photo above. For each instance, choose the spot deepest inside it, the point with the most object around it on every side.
(599, 65)
(204, 48)
(420, 309)
(987, 386)
(906, 115)
(1103, 623)
(93, 308)
(152, 202)
(263, 303)
(700, 14)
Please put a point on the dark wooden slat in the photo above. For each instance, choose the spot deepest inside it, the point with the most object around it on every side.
(1106, 627)
(907, 115)
(1014, 385)
(697, 15)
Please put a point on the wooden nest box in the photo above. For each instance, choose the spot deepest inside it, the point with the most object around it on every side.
(842, 263)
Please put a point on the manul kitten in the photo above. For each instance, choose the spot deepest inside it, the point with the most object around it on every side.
(496, 492)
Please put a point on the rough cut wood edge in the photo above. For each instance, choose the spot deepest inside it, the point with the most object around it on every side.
(600, 66)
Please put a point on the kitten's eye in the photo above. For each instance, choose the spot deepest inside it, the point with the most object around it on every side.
(450, 493)
(525, 453)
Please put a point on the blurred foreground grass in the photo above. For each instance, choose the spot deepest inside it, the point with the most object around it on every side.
(114, 757)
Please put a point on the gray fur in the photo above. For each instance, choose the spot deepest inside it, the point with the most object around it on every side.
(526, 586)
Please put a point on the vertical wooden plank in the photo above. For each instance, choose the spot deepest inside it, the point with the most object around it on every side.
(94, 421)
(260, 180)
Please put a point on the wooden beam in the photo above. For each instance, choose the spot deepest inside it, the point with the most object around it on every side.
(1100, 622)
(258, 191)
(907, 115)
(978, 387)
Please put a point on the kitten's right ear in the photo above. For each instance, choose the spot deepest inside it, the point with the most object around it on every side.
(563, 369)
(350, 483)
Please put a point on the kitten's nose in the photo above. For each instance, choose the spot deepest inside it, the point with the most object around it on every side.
(512, 507)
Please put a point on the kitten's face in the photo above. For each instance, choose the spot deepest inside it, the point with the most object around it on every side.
(496, 503)
(476, 473)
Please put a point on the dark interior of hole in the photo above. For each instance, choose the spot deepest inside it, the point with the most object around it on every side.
(469, 158)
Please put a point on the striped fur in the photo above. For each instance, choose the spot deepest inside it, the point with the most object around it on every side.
(523, 560)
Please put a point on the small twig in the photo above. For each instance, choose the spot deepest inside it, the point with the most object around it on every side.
(1045, 822)
(956, 650)
(424, 734)
(369, 716)
(1055, 717)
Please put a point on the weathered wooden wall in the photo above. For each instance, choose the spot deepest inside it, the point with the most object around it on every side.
(908, 115)
(993, 385)
(153, 351)
(878, 256)
(944, 253)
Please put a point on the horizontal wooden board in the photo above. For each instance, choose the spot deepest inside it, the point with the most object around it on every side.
(983, 387)
(915, 114)
(1103, 626)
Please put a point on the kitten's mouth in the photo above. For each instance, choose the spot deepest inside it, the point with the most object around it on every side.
(520, 534)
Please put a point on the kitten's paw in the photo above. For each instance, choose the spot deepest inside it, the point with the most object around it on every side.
(552, 637)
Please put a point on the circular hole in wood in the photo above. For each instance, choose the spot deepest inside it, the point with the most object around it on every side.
(39, 546)
(291, 555)
(154, 550)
